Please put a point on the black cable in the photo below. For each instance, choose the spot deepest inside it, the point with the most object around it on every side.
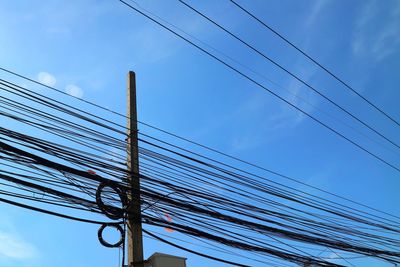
(290, 73)
(194, 252)
(196, 143)
(226, 165)
(265, 88)
(213, 247)
(316, 62)
(234, 216)
(50, 165)
(50, 212)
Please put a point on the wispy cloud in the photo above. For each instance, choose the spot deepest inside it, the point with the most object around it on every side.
(301, 97)
(316, 9)
(46, 78)
(287, 117)
(245, 142)
(12, 246)
(376, 32)
(74, 90)
(152, 46)
(280, 120)
(149, 47)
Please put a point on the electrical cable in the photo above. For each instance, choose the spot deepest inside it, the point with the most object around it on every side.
(380, 110)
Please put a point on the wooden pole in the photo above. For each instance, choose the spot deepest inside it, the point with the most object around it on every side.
(135, 241)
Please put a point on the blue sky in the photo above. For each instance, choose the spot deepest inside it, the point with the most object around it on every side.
(87, 47)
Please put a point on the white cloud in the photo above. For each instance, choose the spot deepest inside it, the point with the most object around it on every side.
(46, 78)
(74, 91)
(387, 41)
(300, 96)
(14, 247)
(151, 46)
(376, 31)
(318, 6)
(280, 120)
(367, 14)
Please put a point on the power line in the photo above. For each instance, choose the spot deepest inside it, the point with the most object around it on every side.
(187, 140)
(202, 209)
(49, 212)
(25, 138)
(193, 251)
(290, 73)
(316, 62)
(264, 88)
(315, 107)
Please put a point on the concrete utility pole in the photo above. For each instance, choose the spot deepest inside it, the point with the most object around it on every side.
(135, 242)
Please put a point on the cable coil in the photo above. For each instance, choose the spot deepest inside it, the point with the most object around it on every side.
(111, 212)
(107, 244)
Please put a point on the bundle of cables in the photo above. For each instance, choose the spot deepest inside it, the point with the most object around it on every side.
(207, 200)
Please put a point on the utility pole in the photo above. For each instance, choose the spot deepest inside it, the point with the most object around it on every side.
(135, 241)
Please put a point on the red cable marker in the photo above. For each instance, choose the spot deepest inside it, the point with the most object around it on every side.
(169, 219)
